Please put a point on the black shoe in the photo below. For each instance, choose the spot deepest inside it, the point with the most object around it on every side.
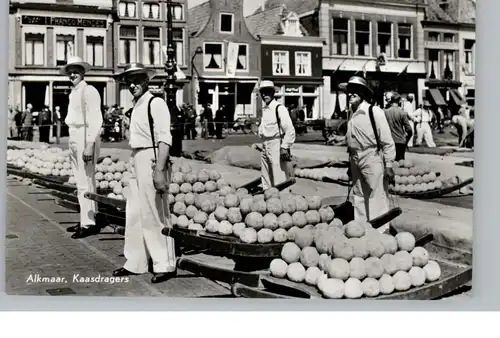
(73, 228)
(163, 277)
(86, 232)
(122, 272)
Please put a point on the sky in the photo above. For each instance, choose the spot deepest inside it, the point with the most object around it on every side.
(249, 6)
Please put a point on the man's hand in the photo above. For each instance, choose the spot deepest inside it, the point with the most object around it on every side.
(389, 174)
(285, 155)
(159, 181)
(88, 153)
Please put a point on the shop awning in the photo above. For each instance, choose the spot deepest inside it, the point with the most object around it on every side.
(457, 98)
(437, 97)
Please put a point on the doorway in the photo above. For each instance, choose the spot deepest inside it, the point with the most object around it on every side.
(60, 98)
(35, 95)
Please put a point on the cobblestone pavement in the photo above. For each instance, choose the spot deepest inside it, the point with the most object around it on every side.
(37, 246)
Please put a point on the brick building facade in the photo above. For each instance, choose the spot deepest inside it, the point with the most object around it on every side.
(291, 58)
(228, 66)
(141, 34)
(450, 37)
(44, 34)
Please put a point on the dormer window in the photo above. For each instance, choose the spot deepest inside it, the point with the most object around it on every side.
(292, 27)
(226, 23)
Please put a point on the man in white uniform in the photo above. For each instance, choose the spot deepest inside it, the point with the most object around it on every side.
(147, 211)
(371, 154)
(277, 134)
(84, 120)
(423, 118)
(409, 109)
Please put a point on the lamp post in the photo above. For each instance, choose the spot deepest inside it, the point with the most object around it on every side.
(177, 126)
(170, 63)
(195, 78)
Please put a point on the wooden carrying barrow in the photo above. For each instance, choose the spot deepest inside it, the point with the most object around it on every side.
(453, 277)
(250, 259)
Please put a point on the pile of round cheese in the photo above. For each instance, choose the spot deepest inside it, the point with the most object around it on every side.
(355, 260)
(275, 216)
(409, 178)
(318, 173)
(44, 161)
(112, 176)
(194, 198)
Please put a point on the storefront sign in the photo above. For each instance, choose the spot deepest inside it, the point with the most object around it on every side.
(292, 90)
(55, 21)
(155, 89)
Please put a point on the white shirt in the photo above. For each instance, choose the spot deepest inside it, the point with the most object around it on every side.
(360, 135)
(85, 104)
(140, 133)
(422, 115)
(269, 126)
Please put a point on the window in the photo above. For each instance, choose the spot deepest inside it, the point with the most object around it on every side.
(433, 69)
(127, 9)
(384, 38)
(151, 46)
(65, 45)
(242, 63)
(151, 11)
(177, 12)
(434, 36)
(448, 65)
(340, 36)
(95, 51)
(34, 49)
(362, 38)
(280, 63)
(449, 37)
(303, 63)
(469, 54)
(226, 23)
(292, 27)
(404, 40)
(128, 44)
(178, 39)
(470, 97)
(212, 57)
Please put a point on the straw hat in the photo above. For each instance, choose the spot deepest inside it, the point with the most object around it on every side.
(266, 84)
(357, 85)
(74, 61)
(134, 68)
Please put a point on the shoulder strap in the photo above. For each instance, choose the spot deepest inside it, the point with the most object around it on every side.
(151, 125)
(84, 109)
(278, 120)
(374, 126)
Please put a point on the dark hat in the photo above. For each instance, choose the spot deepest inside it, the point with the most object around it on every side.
(134, 68)
(357, 85)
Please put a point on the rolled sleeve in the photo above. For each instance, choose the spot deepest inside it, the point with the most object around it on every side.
(288, 128)
(161, 119)
(93, 110)
(386, 141)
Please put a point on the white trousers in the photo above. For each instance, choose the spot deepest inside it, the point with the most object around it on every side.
(424, 132)
(84, 174)
(369, 187)
(412, 125)
(147, 213)
(273, 170)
